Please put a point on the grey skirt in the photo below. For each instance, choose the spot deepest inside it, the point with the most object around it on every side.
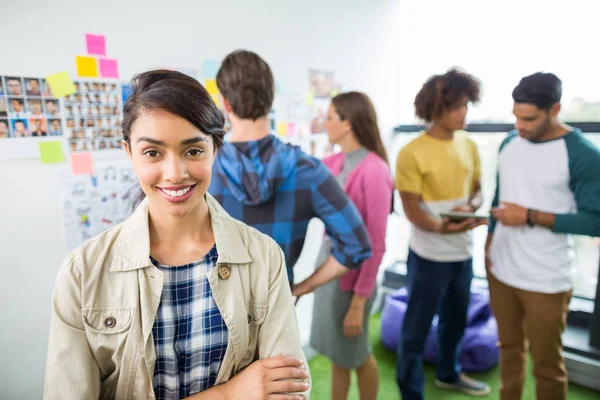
(327, 331)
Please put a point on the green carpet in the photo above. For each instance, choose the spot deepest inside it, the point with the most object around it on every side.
(320, 372)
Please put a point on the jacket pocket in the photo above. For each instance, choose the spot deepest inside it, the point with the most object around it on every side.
(256, 314)
(107, 330)
(108, 320)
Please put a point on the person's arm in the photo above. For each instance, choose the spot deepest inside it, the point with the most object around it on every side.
(409, 184)
(331, 269)
(279, 332)
(496, 199)
(492, 225)
(422, 220)
(343, 223)
(281, 376)
(378, 190)
(281, 370)
(71, 369)
(584, 168)
(476, 197)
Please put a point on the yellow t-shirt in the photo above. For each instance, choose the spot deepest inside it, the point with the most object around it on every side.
(443, 173)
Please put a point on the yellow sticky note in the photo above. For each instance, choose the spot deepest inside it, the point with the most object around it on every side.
(282, 128)
(211, 86)
(87, 67)
(309, 99)
(216, 99)
(51, 152)
(60, 84)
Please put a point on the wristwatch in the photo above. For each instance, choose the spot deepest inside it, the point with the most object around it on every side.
(529, 219)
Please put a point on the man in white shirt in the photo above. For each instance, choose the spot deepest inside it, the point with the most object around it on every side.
(548, 187)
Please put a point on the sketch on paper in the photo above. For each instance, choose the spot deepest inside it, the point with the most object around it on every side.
(94, 203)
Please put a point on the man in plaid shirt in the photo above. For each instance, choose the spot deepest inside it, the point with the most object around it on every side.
(276, 187)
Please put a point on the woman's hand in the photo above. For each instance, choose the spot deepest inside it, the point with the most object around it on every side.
(353, 321)
(274, 378)
(300, 289)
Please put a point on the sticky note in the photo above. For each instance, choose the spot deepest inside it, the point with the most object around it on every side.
(96, 44)
(304, 130)
(216, 99)
(211, 86)
(126, 91)
(82, 163)
(309, 99)
(60, 84)
(282, 128)
(210, 69)
(108, 68)
(51, 152)
(280, 86)
(291, 129)
(87, 66)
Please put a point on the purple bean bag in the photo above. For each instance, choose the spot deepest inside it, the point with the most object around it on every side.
(479, 350)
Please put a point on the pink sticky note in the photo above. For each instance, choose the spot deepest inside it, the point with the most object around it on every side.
(82, 163)
(96, 44)
(291, 129)
(108, 68)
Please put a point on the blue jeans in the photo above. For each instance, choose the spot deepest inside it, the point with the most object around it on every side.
(433, 287)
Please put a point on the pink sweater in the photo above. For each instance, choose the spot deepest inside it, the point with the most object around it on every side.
(370, 187)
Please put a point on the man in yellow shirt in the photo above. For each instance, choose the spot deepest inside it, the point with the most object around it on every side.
(438, 172)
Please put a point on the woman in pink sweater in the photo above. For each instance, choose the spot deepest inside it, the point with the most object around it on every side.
(342, 307)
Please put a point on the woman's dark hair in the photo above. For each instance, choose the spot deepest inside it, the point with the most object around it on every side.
(541, 89)
(246, 81)
(356, 108)
(175, 93)
(442, 92)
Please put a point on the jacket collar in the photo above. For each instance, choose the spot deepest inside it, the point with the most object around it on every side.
(133, 242)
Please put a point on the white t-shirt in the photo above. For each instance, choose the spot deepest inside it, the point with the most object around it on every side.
(562, 177)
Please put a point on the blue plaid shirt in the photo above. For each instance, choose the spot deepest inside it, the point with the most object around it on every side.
(190, 336)
(277, 189)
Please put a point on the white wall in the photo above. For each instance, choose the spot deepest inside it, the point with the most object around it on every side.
(356, 39)
(499, 50)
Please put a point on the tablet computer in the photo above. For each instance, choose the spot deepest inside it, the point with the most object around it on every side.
(457, 216)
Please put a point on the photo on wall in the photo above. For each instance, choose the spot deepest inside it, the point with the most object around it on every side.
(27, 108)
(322, 83)
(93, 116)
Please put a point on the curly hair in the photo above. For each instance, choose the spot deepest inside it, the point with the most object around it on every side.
(442, 92)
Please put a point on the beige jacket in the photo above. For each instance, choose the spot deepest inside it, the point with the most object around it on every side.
(107, 294)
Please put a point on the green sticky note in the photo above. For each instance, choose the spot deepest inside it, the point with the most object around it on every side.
(51, 152)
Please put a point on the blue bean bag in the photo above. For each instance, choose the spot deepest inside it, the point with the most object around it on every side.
(479, 350)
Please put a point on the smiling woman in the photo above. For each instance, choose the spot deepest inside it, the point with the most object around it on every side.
(179, 299)
(163, 104)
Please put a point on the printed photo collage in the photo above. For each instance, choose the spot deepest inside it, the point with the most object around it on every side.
(93, 116)
(27, 108)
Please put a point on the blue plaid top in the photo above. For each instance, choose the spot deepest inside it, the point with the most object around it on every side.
(277, 189)
(190, 336)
